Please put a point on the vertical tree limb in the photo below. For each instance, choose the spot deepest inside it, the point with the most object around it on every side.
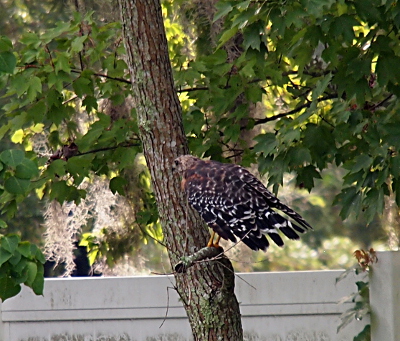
(207, 290)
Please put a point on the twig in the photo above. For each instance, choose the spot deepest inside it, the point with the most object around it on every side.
(166, 312)
(108, 148)
(149, 235)
(294, 111)
(241, 278)
(204, 253)
(382, 102)
(123, 80)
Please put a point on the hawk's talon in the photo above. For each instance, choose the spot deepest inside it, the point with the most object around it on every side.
(211, 241)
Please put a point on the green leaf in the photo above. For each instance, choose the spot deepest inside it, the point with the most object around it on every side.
(362, 161)
(35, 87)
(15, 185)
(82, 86)
(87, 141)
(297, 156)
(25, 249)
(350, 200)
(14, 260)
(61, 63)
(365, 334)
(38, 283)
(126, 157)
(320, 86)
(368, 11)
(30, 38)
(31, 269)
(37, 112)
(61, 27)
(227, 35)
(118, 184)
(37, 253)
(62, 192)
(396, 190)
(5, 44)
(8, 288)
(27, 169)
(79, 167)
(59, 191)
(20, 83)
(252, 37)
(387, 69)
(77, 43)
(343, 27)
(12, 157)
(266, 143)
(90, 103)
(10, 242)
(223, 8)
(19, 269)
(291, 135)
(7, 62)
(56, 168)
(374, 203)
(395, 166)
(305, 177)
(3, 224)
(10, 209)
(4, 256)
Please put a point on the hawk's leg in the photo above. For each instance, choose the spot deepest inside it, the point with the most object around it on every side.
(211, 241)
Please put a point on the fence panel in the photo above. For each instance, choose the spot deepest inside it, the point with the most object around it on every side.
(287, 306)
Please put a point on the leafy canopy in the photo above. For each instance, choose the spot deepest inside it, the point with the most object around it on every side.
(327, 74)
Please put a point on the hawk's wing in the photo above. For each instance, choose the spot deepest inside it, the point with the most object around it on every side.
(233, 202)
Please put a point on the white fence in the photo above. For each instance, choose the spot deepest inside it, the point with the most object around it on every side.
(290, 306)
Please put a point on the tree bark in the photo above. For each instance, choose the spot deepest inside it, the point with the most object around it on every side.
(206, 289)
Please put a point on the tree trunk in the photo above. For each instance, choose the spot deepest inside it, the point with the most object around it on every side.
(207, 289)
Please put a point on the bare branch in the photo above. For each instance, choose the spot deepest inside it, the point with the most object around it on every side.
(204, 253)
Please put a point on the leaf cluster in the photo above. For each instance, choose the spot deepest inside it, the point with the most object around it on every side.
(54, 83)
(55, 86)
(20, 263)
(326, 74)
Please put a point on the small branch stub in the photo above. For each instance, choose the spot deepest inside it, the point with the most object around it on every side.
(202, 254)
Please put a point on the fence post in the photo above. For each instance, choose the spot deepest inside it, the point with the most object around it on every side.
(385, 297)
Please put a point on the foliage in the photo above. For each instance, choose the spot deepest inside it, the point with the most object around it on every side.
(54, 84)
(326, 74)
(43, 98)
(20, 263)
(360, 298)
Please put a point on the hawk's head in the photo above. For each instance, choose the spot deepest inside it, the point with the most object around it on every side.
(184, 162)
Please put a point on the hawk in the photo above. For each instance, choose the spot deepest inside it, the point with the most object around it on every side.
(234, 203)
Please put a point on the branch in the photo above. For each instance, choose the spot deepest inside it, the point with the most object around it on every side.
(204, 253)
(227, 86)
(108, 148)
(256, 80)
(294, 111)
(123, 80)
(382, 102)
